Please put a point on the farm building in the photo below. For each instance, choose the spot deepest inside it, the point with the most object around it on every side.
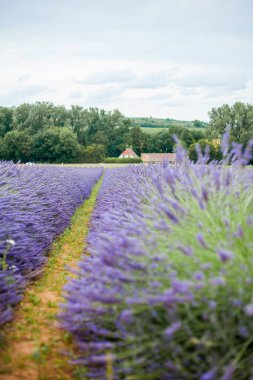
(148, 158)
(128, 153)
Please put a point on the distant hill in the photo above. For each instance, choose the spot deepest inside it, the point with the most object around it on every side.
(153, 125)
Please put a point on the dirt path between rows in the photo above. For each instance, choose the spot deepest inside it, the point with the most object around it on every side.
(34, 347)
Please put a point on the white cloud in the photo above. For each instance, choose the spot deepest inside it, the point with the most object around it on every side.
(166, 58)
(24, 94)
(75, 95)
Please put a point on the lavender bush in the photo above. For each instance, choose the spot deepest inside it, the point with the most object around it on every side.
(168, 290)
(36, 204)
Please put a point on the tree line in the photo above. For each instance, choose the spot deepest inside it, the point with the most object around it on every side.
(238, 117)
(43, 132)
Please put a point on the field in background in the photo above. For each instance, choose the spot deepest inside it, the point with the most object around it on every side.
(153, 125)
(84, 165)
(153, 130)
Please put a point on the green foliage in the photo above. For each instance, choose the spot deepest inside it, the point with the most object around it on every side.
(6, 120)
(114, 160)
(239, 117)
(137, 139)
(163, 142)
(150, 122)
(198, 124)
(47, 133)
(55, 144)
(213, 148)
(198, 134)
(185, 135)
(93, 153)
(35, 117)
(16, 146)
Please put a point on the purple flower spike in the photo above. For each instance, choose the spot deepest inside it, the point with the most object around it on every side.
(225, 141)
(249, 310)
(212, 304)
(126, 316)
(239, 233)
(250, 220)
(199, 276)
(229, 374)
(186, 250)
(244, 332)
(205, 194)
(224, 254)
(210, 375)
(170, 331)
(181, 286)
(218, 281)
(169, 214)
(201, 240)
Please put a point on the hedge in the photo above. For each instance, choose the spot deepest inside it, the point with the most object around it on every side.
(115, 160)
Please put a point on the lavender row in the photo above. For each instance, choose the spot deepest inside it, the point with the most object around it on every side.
(36, 204)
(167, 291)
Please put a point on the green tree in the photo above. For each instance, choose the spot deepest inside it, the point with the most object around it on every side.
(186, 137)
(112, 123)
(198, 124)
(198, 134)
(214, 150)
(16, 146)
(93, 153)
(146, 143)
(136, 139)
(239, 117)
(21, 114)
(78, 123)
(56, 144)
(59, 115)
(6, 120)
(35, 117)
(162, 142)
(40, 117)
(119, 138)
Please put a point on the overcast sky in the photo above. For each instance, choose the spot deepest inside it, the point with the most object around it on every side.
(160, 58)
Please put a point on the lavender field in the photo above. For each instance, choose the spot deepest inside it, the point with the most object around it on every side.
(36, 204)
(167, 290)
(164, 291)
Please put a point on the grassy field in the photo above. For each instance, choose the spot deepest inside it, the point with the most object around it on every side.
(159, 129)
(149, 123)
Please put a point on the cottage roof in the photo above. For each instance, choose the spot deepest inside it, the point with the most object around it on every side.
(129, 152)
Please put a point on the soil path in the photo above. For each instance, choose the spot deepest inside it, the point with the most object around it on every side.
(33, 345)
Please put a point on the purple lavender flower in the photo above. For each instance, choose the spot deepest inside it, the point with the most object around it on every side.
(244, 332)
(218, 281)
(186, 250)
(249, 310)
(212, 304)
(229, 373)
(181, 286)
(201, 240)
(224, 254)
(225, 142)
(210, 375)
(199, 276)
(170, 331)
(126, 316)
